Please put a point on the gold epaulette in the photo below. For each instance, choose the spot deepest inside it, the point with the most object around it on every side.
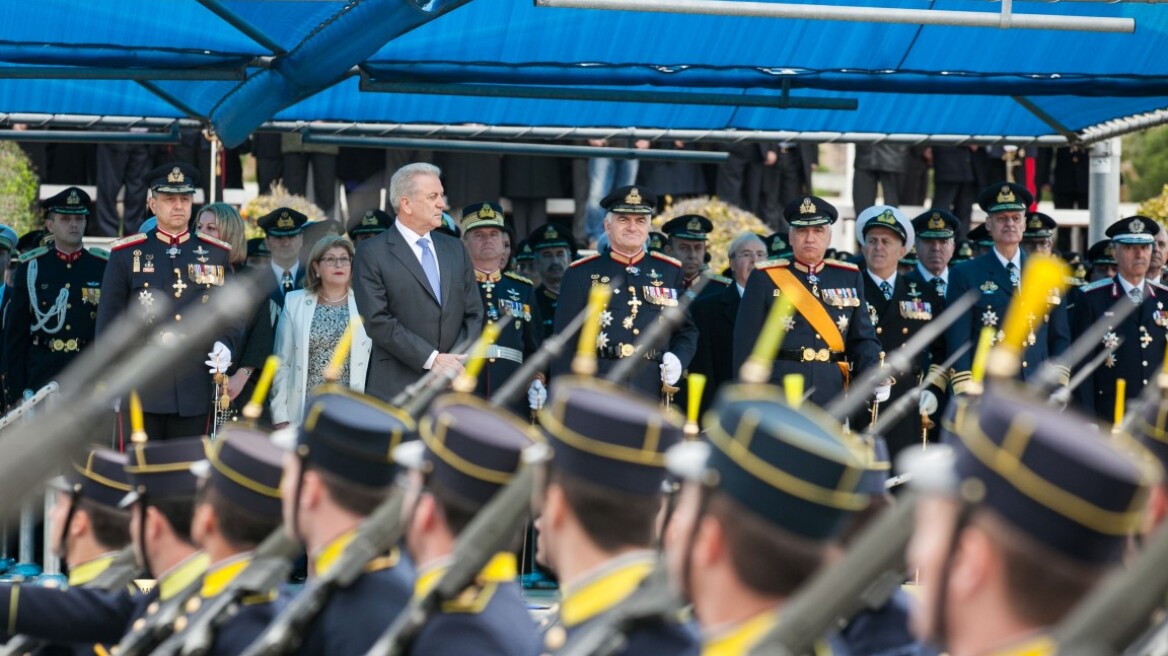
(516, 276)
(840, 264)
(473, 600)
(99, 253)
(770, 264)
(33, 254)
(716, 278)
(665, 258)
(214, 242)
(128, 241)
(1102, 282)
(584, 259)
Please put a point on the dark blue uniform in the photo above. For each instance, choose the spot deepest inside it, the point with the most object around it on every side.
(642, 289)
(490, 618)
(1138, 358)
(884, 631)
(52, 315)
(546, 300)
(1047, 339)
(841, 291)
(507, 295)
(185, 270)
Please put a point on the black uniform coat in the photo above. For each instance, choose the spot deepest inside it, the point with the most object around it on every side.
(546, 300)
(35, 357)
(504, 295)
(714, 317)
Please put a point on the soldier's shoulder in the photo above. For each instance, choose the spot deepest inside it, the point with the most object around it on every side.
(516, 276)
(473, 600)
(585, 260)
(762, 265)
(840, 264)
(1098, 284)
(99, 253)
(213, 241)
(1159, 287)
(128, 241)
(665, 258)
(33, 254)
(721, 280)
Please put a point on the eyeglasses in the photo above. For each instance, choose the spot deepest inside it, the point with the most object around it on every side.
(759, 255)
(337, 261)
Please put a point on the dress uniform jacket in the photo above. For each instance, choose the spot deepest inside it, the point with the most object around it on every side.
(50, 324)
(714, 317)
(897, 320)
(144, 270)
(546, 300)
(1139, 356)
(987, 275)
(507, 295)
(642, 289)
(841, 293)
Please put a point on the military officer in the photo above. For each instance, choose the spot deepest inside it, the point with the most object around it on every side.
(981, 241)
(1039, 234)
(1101, 255)
(935, 231)
(599, 509)
(688, 236)
(467, 453)
(643, 286)
(553, 250)
(1159, 256)
(996, 276)
(340, 470)
(761, 503)
(55, 295)
(523, 262)
(372, 224)
(658, 242)
(964, 253)
(258, 255)
(1141, 336)
(504, 294)
(830, 337)
(899, 307)
(1002, 542)
(8, 241)
(284, 234)
(163, 275)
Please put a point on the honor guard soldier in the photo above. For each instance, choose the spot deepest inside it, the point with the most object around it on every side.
(643, 285)
(504, 294)
(372, 224)
(553, 250)
(761, 504)
(1039, 234)
(168, 267)
(1141, 337)
(1024, 512)
(599, 510)
(899, 307)
(341, 471)
(996, 276)
(688, 237)
(54, 298)
(467, 453)
(830, 337)
(284, 234)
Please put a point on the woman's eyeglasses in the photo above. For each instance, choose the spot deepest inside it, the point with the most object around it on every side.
(337, 261)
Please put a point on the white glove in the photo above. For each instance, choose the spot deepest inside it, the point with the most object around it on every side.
(1060, 397)
(670, 369)
(883, 392)
(928, 402)
(219, 358)
(536, 394)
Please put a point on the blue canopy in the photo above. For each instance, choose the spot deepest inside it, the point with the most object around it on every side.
(512, 65)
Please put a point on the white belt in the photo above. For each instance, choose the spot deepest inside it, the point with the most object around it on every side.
(505, 353)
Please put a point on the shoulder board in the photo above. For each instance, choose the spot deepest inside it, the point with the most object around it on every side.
(261, 598)
(33, 254)
(1102, 282)
(1158, 285)
(840, 264)
(211, 240)
(128, 241)
(100, 253)
(720, 279)
(516, 276)
(584, 259)
(473, 600)
(665, 258)
(770, 264)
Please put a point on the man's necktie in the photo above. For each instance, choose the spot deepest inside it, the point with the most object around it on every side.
(287, 281)
(939, 285)
(887, 289)
(1015, 279)
(1136, 295)
(430, 267)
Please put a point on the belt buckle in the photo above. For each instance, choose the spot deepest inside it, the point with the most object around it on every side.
(626, 350)
(808, 355)
(823, 355)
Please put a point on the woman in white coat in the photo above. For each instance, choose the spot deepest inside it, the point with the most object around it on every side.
(311, 325)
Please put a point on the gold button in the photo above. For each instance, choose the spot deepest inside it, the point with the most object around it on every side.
(193, 604)
(68, 327)
(180, 624)
(879, 330)
(145, 284)
(68, 306)
(555, 638)
(904, 331)
(152, 608)
(1023, 363)
(178, 317)
(817, 336)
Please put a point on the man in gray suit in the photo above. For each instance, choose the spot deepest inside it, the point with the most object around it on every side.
(415, 289)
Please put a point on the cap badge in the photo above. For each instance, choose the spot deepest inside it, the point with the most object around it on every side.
(285, 221)
(807, 207)
(886, 217)
(1136, 226)
(73, 199)
(633, 197)
(1035, 223)
(176, 176)
(1006, 195)
(369, 219)
(694, 225)
(1080, 272)
(551, 233)
(1109, 251)
(487, 212)
(936, 222)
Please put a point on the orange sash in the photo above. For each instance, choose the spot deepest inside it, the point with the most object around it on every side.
(812, 310)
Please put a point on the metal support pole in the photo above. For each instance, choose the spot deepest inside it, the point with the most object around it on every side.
(213, 183)
(507, 148)
(1103, 187)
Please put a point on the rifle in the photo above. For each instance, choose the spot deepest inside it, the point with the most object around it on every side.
(1081, 348)
(670, 318)
(148, 633)
(902, 405)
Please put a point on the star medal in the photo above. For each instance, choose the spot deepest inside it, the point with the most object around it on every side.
(605, 318)
(989, 318)
(842, 323)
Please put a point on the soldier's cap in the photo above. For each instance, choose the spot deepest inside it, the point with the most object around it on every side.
(523, 252)
(99, 476)
(657, 242)
(468, 447)
(964, 252)
(936, 224)
(689, 226)
(1101, 253)
(482, 215)
(877, 466)
(1133, 230)
(981, 236)
(910, 258)
(282, 222)
(245, 467)
(1039, 226)
(258, 246)
(792, 467)
(1049, 473)
(810, 211)
(173, 178)
(551, 235)
(71, 200)
(350, 435)
(32, 239)
(777, 245)
(373, 223)
(888, 217)
(608, 436)
(1151, 429)
(1005, 197)
(630, 200)
(8, 238)
(162, 470)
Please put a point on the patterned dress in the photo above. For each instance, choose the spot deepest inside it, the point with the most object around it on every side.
(328, 325)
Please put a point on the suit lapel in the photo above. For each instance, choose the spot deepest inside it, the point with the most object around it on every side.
(405, 254)
(448, 263)
(730, 302)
